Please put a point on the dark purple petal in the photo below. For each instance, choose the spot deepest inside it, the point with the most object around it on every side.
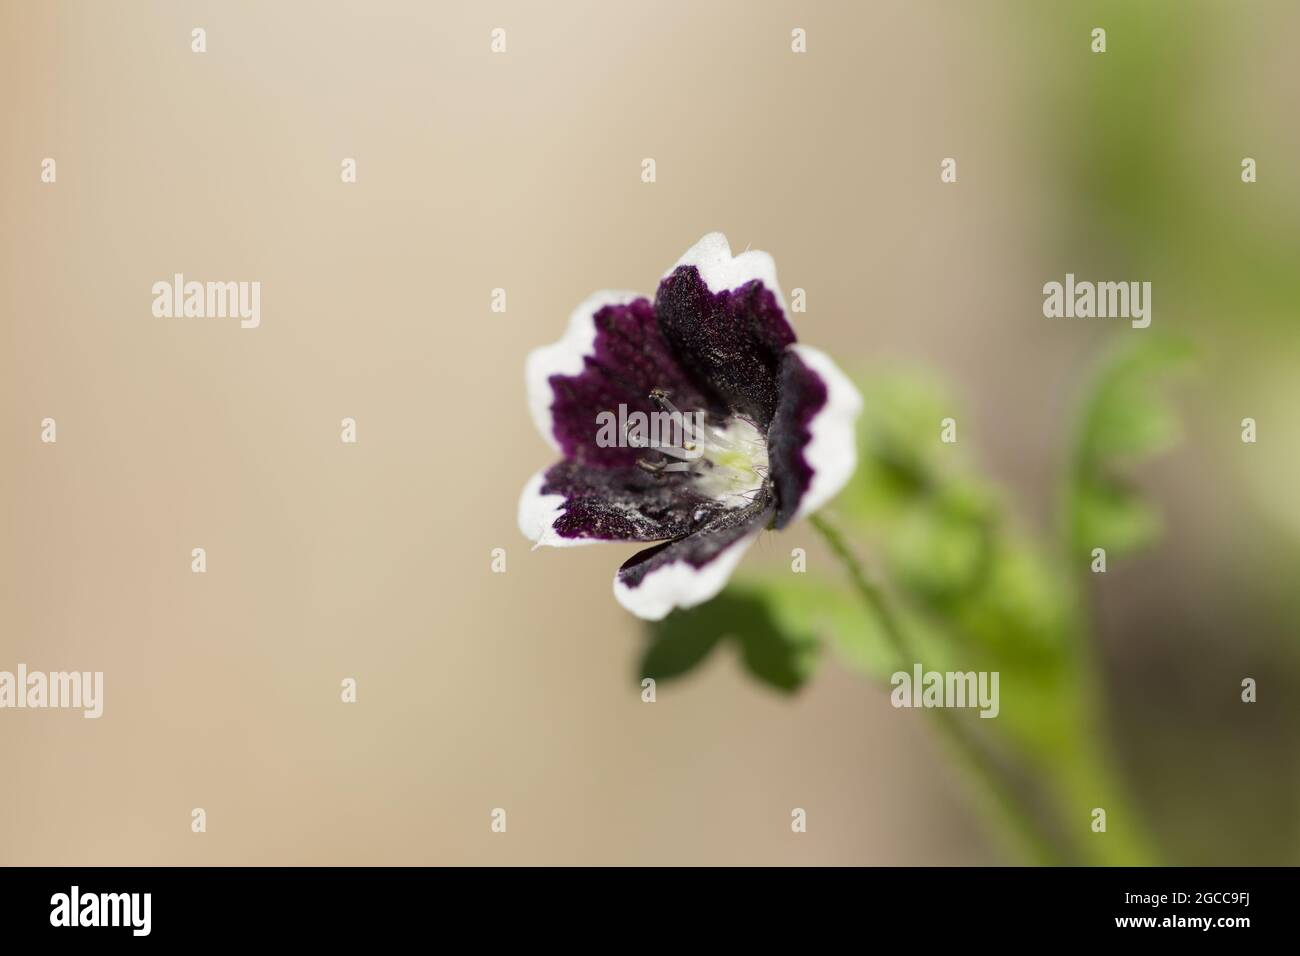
(803, 395)
(704, 545)
(629, 359)
(731, 342)
(625, 504)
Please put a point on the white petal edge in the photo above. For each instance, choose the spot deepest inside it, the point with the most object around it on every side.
(538, 514)
(832, 452)
(680, 584)
(721, 271)
(565, 357)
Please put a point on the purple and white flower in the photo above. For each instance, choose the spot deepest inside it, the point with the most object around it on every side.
(777, 444)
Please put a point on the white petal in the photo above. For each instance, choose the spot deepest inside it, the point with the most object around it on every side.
(721, 271)
(538, 514)
(833, 450)
(565, 357)
(680, 584)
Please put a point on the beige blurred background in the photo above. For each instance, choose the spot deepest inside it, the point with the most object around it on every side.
(372, 561)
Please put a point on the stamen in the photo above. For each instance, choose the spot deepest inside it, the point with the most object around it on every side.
(707, 434)
(660, 397)
(672, 451)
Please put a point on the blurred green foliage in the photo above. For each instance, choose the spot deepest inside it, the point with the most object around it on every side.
(1141, 151)
(1151, 159)
(1125, 421)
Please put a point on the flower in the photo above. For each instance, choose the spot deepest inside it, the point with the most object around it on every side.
(775, 440)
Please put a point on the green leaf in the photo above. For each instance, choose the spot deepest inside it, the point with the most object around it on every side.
(779, 655)
(900, 456)
(1126, 420)
(936, 553)
(1020, 608)
(822, 605)
(678, 643)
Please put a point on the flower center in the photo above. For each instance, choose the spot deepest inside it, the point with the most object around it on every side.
(733, 468)
(727, 463)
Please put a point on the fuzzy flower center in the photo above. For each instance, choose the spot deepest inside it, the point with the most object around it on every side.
(733, 466)
(727, 463)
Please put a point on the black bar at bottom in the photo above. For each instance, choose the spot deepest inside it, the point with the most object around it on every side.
(92, 905)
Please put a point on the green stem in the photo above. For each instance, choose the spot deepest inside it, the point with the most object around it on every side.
(1018, 819)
